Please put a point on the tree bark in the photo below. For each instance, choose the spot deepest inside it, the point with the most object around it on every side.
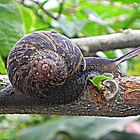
(126, 102)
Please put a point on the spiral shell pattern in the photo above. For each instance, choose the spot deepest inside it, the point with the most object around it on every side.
(43, 60)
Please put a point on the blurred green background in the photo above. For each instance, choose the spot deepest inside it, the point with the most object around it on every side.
(73, 18)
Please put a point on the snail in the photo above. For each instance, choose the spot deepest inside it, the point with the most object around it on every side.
(47, 65)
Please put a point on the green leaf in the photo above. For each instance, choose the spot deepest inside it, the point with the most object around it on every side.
(116, 135)
(2, 67)
(96, 81)
(104, 17)
(28, 18)
(11, 28)
(127, 1)
(72, 128)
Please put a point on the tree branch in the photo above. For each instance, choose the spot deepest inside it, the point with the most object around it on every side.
(126, 102)
(126, 39)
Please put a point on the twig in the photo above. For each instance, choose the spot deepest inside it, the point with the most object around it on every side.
(44, 10)
(41, 6)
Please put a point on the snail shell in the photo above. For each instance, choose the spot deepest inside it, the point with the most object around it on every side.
(40, 63)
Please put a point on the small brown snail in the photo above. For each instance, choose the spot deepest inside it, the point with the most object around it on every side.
(48, 65)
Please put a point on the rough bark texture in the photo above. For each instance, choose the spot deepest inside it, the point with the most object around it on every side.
(126, 102)
(126, 39)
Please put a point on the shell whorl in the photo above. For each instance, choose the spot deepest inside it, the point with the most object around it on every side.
(42, 60)
(48, 66)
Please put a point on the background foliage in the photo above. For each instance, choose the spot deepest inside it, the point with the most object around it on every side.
(73, 18)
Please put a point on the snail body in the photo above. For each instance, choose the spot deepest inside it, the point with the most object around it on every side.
(47, 65)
